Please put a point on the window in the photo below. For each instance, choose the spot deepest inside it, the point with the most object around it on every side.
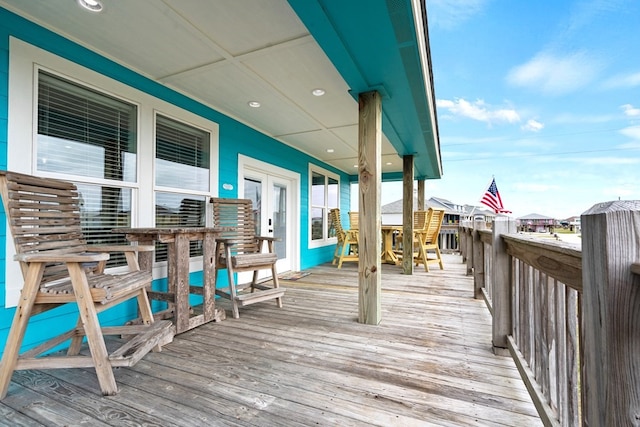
(324, 196)
(89, 137)
(182, 178)
(71, 122)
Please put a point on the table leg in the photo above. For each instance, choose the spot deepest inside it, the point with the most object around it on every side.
(208, 279)
(178, 266)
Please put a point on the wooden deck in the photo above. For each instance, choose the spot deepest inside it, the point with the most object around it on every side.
(429, 362)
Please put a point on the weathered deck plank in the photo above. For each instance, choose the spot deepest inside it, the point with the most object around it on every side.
(428, 363)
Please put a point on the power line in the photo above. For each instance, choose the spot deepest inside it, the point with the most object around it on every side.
(541, 154)
(544, 136)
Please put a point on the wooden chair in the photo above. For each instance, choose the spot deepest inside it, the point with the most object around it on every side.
(354, 221)
(241, 250)
(346, 249)
(419, 226)
(59, 267)
(428, 240)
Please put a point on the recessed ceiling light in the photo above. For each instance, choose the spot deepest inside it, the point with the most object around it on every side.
(355, 166)
(92, 5)
(330, 150)
(389, 163)
(254, 104)
(318, 92)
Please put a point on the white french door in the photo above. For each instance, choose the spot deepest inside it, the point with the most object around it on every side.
(273, 193)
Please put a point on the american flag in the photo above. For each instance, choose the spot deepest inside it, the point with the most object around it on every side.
(492, 198)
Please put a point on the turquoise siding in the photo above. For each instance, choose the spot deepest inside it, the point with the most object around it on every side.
(234, 138)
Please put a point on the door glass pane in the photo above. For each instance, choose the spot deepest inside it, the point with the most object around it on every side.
(253, 192)
(279, 219)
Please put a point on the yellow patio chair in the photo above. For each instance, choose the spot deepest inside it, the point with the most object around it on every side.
(347, 247)
(428, 240)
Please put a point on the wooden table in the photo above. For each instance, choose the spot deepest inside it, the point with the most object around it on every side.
(179, 288)
(388, 255)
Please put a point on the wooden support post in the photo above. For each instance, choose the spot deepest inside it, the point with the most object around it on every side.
(611, 310)
(478, 259)
(421, 206)
(501, 280)
(370, 178)
(407, 214)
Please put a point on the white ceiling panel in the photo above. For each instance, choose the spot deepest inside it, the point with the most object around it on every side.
(229, 89)
(316, 144)
(298, 70)
(145, 35)
(242, 26)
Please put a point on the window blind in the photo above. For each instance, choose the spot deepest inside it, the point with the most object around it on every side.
(83, 132)
(182, 155)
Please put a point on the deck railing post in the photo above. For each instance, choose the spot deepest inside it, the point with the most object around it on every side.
(462, 240)
(478, 258)
(501, 279)
(469, 250)
(611, 312)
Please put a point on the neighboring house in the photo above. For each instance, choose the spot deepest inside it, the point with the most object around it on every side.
(572, 223)
(536, 223)
(150, 103)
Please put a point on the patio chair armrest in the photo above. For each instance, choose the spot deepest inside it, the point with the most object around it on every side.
(56, 257)
(267, 239)
(121, 248)
(227, 240)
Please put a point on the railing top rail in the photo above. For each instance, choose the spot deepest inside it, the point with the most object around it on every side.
(560, 260)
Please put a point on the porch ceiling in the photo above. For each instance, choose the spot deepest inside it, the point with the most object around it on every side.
(226, 54)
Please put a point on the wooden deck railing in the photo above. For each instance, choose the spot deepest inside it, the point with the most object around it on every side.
(569, 317)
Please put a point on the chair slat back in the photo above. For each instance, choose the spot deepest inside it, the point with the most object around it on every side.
(239, 215)
(434, 223)
(419, 220)
(43, 216)
(354, 221)
(334, 216)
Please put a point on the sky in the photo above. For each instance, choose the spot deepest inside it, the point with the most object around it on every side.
(542, 95)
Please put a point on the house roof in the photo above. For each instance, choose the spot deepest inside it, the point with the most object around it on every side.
(227, 53)
(534, 216)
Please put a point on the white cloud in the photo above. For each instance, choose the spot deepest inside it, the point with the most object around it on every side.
(630, 111)
(555, 75)
(622, 81)
(532, 126)
(632, 132)
(479, 111)
(449, 14)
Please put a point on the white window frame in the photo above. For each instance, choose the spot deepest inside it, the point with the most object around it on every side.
(24, 62)
(325, 241)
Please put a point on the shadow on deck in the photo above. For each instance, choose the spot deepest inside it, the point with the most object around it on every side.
(429, 362)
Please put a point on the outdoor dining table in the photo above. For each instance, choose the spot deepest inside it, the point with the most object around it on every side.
(388, 255)
(179, 287)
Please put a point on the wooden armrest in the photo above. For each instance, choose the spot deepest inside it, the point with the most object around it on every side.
(267, 239)
(227, 241)
(80, 257)
(121, 248)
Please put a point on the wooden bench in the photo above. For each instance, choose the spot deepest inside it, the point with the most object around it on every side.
(58, 267)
